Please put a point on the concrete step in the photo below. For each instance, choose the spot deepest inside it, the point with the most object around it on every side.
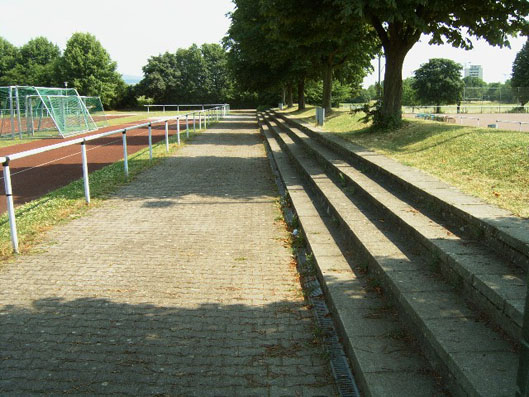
(489, 281)
(383, 360)
(496, 227)
(473, 358)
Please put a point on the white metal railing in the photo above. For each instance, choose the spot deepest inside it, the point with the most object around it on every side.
(478, 119)
(520, 123)
(204, 117)
(470, 109)
(203, 106)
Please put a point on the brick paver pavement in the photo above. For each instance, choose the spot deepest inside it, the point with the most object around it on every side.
(179, 285)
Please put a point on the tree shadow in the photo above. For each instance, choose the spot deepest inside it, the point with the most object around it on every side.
(98, 346)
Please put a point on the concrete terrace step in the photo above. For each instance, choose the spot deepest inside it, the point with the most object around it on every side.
(383, 363)
(488, 280)
(473, 359)
(500, 229)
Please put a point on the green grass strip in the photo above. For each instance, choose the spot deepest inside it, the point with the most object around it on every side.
(491, 164)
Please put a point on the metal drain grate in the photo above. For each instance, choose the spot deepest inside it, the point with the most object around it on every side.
(338, 360)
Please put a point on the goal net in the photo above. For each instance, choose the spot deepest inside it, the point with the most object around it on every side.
(44, 112)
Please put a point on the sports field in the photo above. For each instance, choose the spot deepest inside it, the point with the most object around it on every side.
(37, 175)
(504, 121)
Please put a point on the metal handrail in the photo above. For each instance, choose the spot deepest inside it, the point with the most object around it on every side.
(177, 106)
(203, 116)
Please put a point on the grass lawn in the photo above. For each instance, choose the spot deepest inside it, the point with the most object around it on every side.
(487, 163)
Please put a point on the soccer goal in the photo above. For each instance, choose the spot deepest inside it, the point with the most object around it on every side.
(44, 112)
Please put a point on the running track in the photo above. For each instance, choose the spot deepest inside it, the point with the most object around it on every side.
(34, 176)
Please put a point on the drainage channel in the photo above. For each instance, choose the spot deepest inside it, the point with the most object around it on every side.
(338, 360)
(340, 367)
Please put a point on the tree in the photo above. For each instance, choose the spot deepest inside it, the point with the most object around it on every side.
(409, 96)
(257, 59)
(400, 24)
(438, 82)
(190, 75)
(218, 83)
(475, 89)
(520, 75)
(341, 52)
(471, 81)
(161, 75)
(8, 55)
(36, 63)
(87, 66)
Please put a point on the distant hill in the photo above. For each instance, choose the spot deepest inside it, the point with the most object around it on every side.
(130, 80)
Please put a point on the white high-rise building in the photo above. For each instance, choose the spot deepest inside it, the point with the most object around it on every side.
(474, 71)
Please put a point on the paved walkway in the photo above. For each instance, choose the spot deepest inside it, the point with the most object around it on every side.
(180, 285)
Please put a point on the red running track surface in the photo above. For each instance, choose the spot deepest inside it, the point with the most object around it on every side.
(34, 176)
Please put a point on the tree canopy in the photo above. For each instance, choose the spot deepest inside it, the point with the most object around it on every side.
(273, 43)
(87, 66)
(520, 74)
(190, 75)
(8, 57)
(400, 24)
(32, 64)
(439, 82)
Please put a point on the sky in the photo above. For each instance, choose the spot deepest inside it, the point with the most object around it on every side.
(132, 31)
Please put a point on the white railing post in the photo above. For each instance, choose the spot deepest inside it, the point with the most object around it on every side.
(194, 123)
(10, 206)
(178, 130)
(205, 119)
(86, 182)
(125, 155)
(150, 142)
(199, 120)
(187, 125)
(167, 136)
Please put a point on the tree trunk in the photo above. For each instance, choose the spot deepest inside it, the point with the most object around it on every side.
(327, 87)
(284, 95)
(391, 110)
(301, 93)
(290, 94)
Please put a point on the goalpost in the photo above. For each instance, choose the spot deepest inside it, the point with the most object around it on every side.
(46, 112)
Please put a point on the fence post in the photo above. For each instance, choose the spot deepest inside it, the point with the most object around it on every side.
(125, 155)
(85, 173)
(187, 125)
(199, 120)
(167, 136)
(205, 119)
(10, 206)
(194, 123)
(178, 130)
(150, 142)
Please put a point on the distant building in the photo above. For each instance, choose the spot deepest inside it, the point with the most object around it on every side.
(474, 71)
